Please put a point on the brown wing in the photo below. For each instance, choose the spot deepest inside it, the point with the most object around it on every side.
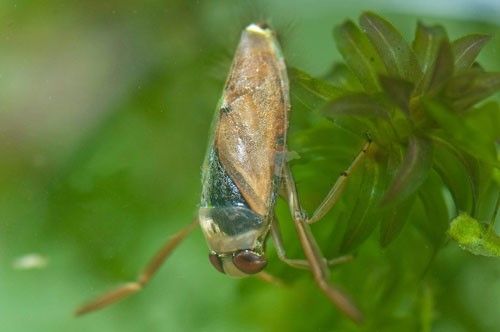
(253, 121)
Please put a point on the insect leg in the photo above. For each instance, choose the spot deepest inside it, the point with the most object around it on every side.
(269, 278)
(317, 263)
(280, 249)
(334, 194)
(298, 263)
(147, 273)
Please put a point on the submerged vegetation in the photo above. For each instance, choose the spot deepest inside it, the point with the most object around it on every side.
(107, 114)
(422, 103)
(425, 105)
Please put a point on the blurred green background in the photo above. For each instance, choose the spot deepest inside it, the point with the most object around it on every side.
(105, 108)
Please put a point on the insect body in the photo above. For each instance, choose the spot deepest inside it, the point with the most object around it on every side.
(244, 170)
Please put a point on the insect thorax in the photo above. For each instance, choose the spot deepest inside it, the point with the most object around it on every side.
(227, 221)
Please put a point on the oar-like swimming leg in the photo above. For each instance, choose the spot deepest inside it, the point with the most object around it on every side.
(147, 273)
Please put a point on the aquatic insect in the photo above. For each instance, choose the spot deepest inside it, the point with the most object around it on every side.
(244, 170)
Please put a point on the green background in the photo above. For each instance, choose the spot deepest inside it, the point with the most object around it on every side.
(105, 108)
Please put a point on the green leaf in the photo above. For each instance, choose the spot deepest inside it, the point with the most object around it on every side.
(470, 87)
(341, 76)
(474, 237)
(488, 200)
(392, 224)
(320, 88)
(466, 50)
(412, 172)
(359, 104)
(465, 134)
(359, 55)
(486, 120)
(426, 45)
(398, 57)
(432, 198)
(451, 166)
(443, 67)
(365, 214)
(398, 90)
(360, 114)
(311, 92)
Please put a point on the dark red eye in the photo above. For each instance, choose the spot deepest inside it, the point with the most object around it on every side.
(249, 262)
(216, 262)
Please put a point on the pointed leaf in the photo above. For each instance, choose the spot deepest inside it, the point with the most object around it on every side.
(398, 57)
(470, 87)
(392, 224)
(359, 104)
(478, 173)
(474, 237)
(312, 93)
(450, 166)
(426, 44)
(364, 217)
(466, 50)
(486, 120)
(341, 76)
(464, 134)
(412, 172)
(443, 67)
(361, 114)
(488, 201)
(398, 90)
(432, 198)
(359, 55)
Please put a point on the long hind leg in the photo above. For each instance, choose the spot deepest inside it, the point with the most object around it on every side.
(147, 273)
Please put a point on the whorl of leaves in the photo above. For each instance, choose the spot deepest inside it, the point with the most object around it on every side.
(422, 104)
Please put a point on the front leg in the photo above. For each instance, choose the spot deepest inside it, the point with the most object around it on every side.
(298, 263)
(335, 192)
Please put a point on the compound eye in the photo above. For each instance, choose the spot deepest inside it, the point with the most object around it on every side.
(249, 262)
(216, 262)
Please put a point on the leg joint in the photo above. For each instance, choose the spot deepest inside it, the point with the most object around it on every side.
(300, 216)
(368, 137)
